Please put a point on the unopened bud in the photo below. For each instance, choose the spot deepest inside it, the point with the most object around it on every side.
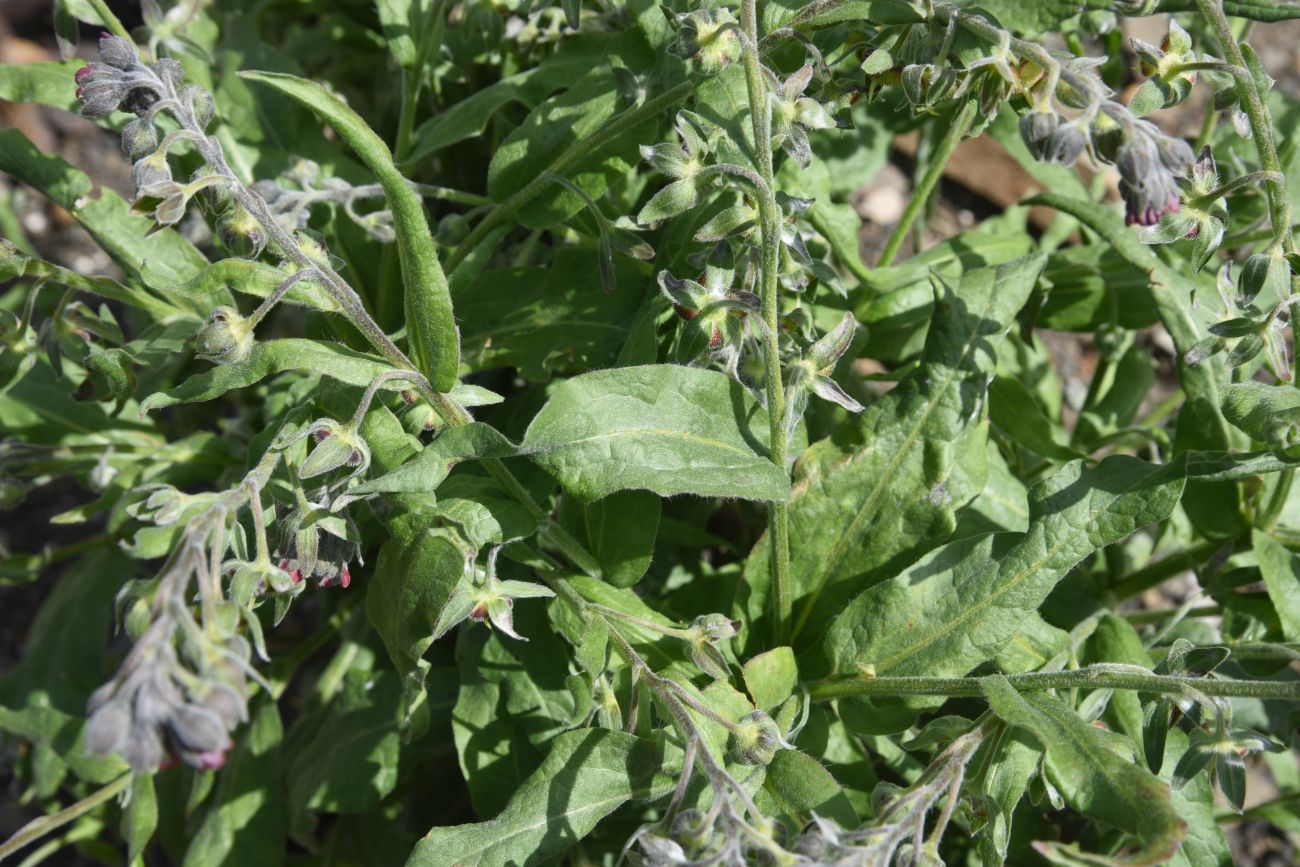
(227, 338)
(1036, 129)
(241, 233)
(755, 740)
(138, 139)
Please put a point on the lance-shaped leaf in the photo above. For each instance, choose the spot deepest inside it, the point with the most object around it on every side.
(271, 357)
(875, 504)
(1281, 571)
(957, 606)
(430, 325)
(587, 775)
(1095, 771)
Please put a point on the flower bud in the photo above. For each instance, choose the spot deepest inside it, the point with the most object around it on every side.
(1065, 145)
(200, 102)
(226, 339)
(100, 95)
(109, 726)
(197, 730)
(716, 627)
(138, 139)
(117, 52)
(241, 233)
(755, 740)
(1036, 129)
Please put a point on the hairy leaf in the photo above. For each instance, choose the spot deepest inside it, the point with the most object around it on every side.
(430, 324)
(1094, 771)
(864, 508)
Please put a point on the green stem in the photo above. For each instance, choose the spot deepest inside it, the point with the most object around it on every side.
(571, 155)
(778, 520)
(110, 20)
(1261, 123)
(1091, 677)
(1157, 573)
(38, 828)
(921, 195)
(1267, 518)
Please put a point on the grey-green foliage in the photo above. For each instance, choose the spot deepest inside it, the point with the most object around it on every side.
(869, 502)
(955, 607)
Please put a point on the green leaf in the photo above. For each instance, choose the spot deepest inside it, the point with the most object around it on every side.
(1281, 570)
(662, 428)
(1014, 409)
(957, 606)
(251, 278)
(875, 502)
(140, 817)
(1268, 413)
(562, 121)
(619, 530)
(469, 117)
(771, 677)
(267, 358)
(246, 822)
(1013, 763)
(163, 256)
(1094, 770)
(1214, 507)
(417, 571)
(800, 786)
(350, 763)
(48, 83)
(549, 320)
(403, 21)
(430, 323)
(586, 776)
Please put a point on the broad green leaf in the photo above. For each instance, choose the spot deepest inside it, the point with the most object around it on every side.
(586, 776)
(1002, 505)
(165, 256)
(246, 821)
(957, 606)
(1012, 408)
(403, 21)
(876, 11)
(1205, 844)
(1268, 413)
(48, 83)
(799, 786)
(1035, 644)
(1094, 770)
(771, 677)
(868, 504)
(548, 320)
(1091, 285)
(514, 700)
(351, 761)
(268, 358)
(1281, 570)
(430, 324)
(417, 571)
(662, 428)
(1127, 383)
(619, 530)
(1115, 640)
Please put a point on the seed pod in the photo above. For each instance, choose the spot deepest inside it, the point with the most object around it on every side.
(226, 338)
(241, 233)
(755, 740)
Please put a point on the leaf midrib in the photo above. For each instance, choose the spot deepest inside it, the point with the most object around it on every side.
(837, 550)
(979, 606)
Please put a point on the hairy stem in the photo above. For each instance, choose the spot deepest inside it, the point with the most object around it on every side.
(1092, 677)
(778, 520)
(38, 828)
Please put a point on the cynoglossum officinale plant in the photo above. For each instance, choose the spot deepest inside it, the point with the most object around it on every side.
(489, 433)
